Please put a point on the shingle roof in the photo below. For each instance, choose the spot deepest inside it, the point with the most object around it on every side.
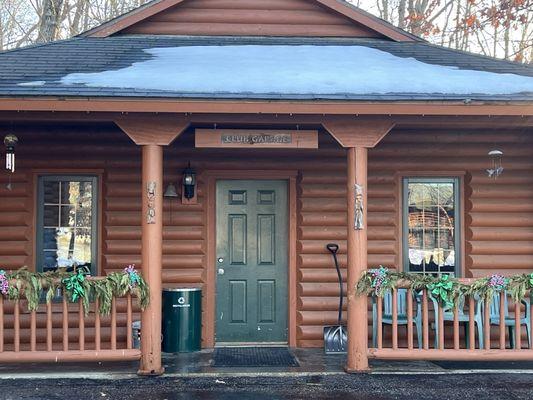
(40, 68)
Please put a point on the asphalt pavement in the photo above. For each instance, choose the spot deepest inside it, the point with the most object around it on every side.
(464, 386)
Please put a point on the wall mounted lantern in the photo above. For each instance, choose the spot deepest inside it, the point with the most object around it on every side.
(496, 164)
(10, 141)
(189, 182)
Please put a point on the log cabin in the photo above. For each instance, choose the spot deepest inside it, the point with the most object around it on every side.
(284, 125)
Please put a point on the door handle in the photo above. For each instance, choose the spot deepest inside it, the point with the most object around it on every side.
(221, 271)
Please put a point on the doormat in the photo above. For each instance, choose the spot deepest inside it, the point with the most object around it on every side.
(254, 357)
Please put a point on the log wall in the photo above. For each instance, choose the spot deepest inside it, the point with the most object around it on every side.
(250, 18)
(498, 220)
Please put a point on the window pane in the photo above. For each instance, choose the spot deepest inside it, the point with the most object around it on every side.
(68, 216)
(51, 192)
(51, 216)
(431, 225)
(70, 192)
(84, 217)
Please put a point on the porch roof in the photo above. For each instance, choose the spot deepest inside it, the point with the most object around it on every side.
(259, 68)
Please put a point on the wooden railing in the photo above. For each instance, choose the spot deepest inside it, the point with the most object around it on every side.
(61, 331)
(395, 336)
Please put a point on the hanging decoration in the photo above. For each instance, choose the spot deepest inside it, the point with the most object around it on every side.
(10, 141)
(74, 286)
(359, 222)
(496, 168)
(150, 194)
(442, 290)
(445, 288)
(24, 284)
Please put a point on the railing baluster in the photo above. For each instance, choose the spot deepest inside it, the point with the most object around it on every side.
(97, 338)
(517, 326)
(33, 331)
(486, 324)
(502, 320)
(65, 322)
(379, 306)
(1, 324)
(81, 325)
(129, 337)
(456, 345)
(410, 335)
(394, 319)
(441, 326)
(425, 319)
(49, 326)
(531, 322)
(114, 324)
(471, 323)
(17, 326)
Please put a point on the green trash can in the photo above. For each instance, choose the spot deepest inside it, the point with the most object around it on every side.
(182, 320)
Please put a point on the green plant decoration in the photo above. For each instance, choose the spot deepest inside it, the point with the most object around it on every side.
(444, 291)
(23, 284)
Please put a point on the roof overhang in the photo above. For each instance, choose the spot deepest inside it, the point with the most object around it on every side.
(154, 105)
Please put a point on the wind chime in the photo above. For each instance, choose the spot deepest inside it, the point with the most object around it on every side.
(10, 141)
(496, 168)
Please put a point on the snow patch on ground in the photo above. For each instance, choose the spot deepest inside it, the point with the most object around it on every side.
(297, 70)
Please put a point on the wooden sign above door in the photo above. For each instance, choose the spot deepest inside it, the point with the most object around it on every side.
(256, 138)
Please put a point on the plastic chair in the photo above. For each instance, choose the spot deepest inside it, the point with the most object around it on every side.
(402, 314)
(462, 317)
(509, 319)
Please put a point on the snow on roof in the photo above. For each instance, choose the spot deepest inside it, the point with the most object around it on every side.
(297, 70)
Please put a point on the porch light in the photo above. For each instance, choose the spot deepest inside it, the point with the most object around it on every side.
(189, 182)
(496, 164)
(171, 191)
(10, 141)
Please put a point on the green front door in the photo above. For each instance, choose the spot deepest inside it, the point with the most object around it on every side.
(251, 261)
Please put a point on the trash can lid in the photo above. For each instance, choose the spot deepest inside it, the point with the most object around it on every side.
(182, 290)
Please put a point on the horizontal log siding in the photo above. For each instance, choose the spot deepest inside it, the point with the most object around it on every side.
(250, 18)
(498, 220)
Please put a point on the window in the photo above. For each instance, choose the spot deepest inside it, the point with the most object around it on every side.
(431, 215)
(67, 222)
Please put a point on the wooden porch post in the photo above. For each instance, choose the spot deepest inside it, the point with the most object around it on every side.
(152, 251)
(152, 133)
(357, 261)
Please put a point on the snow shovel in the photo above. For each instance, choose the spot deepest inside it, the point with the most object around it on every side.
(335, 339)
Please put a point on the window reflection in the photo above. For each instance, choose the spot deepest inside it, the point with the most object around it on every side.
(67, 223)
(431, 224)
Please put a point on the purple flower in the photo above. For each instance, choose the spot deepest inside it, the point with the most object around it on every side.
(497, 282)
(4, 282)
(379, 278)
(133, 275)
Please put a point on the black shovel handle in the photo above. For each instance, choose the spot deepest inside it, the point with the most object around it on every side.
(333, 249)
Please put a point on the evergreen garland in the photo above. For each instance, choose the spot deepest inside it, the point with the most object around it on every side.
(444, 288)
(24, 284)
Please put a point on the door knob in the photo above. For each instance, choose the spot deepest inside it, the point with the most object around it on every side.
(220, 260)
(221, 271)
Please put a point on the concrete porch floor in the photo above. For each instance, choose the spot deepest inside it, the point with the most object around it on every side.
(190, 365)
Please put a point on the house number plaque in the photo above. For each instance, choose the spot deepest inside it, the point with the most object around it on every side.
(256, 138)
